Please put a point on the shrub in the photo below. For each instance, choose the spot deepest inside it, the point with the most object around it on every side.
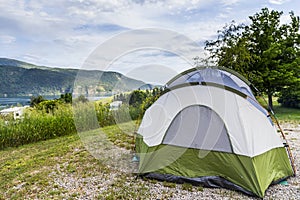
(104, 115)
(290, 97)
(35, 100)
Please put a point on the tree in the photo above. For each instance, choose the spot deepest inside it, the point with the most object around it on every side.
(137, 97)
(48, 105)
(266, 51)
(67, 98)
(35, 100)
(290, 97)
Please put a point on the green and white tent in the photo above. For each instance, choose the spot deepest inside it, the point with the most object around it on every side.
(208, 128)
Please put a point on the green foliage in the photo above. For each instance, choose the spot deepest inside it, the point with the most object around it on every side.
(134, 98)
(85, 116)
(48, 105)
(156, 93)
(187, 186)
(7, 117)
(67, 98)
(104, 115)
(169, 184)
(266, 52)
(40, 103)
(136, 112)
(135, 104)
(137, 97)
(290, 97)
(35, 100)
(37, 125)
(124, 113)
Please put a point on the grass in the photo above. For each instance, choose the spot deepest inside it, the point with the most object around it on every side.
(62, 168)
(169, 184)
(284, 115)
(291, 115)
(24, 170)
(36, 171)
(187, 186)
(105, 100)
(124, 138)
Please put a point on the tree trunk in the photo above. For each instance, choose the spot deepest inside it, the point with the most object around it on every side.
(270, 101)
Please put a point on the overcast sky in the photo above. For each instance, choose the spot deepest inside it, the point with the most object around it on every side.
(64, 33)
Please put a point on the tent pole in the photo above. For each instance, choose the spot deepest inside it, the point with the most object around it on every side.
(286, 144)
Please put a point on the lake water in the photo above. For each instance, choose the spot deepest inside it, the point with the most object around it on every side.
(6, 102)
(13, 101)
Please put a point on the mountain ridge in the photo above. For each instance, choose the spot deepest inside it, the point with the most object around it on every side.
(18, 78)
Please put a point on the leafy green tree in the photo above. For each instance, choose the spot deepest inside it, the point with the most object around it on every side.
(104, 115)
(35, 100)
(67, 98)
(48, 105)
(137, 97)
(290, 97)
(266, 51)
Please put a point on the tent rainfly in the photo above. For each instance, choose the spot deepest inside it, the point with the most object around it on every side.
(208, 128)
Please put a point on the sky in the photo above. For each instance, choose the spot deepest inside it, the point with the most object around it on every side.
(129, 36)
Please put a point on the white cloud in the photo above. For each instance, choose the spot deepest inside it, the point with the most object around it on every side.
(7, 39)
(278, 2)
(65, 32)
(229, 2)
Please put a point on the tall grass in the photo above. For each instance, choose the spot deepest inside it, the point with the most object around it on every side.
(37, 125)
(63, 119)
(85, 116)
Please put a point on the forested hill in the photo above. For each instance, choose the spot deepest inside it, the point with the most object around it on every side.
(21, 79)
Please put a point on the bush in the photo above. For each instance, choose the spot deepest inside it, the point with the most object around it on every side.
(36, 100)
(104, 114)
(290, 97)
(48, 105)
(137, 97)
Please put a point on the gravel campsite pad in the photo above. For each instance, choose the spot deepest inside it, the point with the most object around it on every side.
(117, 184)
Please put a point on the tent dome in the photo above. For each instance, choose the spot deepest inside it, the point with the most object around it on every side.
(208, 128)
(208, 75)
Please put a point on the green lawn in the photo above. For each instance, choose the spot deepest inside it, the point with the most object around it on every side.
(291, 115)
(33, 171)
(284, 115)
(25, 171)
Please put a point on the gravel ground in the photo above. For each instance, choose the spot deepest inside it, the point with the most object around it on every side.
(119, 184)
